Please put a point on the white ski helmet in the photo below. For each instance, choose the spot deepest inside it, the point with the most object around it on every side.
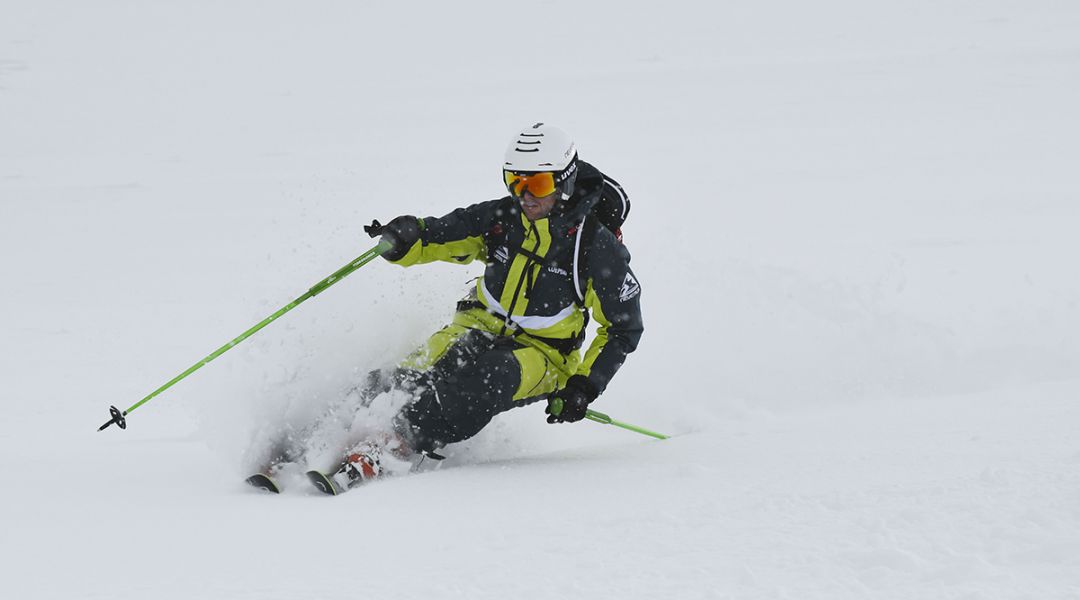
(544, 148)
(540, 148)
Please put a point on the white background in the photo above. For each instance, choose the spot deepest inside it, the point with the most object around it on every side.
(854, 223)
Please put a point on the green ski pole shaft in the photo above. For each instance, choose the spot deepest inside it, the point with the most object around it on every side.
(119, 417)
(600, 417)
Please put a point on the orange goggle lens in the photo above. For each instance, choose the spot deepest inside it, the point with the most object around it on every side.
(537, 184)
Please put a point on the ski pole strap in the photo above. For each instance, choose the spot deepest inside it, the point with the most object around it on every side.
(600, 417)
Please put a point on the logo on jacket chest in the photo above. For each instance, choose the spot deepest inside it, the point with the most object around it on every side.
(502, 254)
(558, 269)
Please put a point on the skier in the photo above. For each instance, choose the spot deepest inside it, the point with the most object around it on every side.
(554, 255)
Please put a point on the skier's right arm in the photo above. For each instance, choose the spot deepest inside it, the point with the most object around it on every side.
(457, 237)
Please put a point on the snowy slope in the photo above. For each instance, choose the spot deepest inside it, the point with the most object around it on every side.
(854, 223)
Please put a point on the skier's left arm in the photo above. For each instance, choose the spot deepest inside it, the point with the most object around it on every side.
(613, 297)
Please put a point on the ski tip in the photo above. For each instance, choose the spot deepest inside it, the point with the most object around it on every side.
(323, 483)
(263, 482)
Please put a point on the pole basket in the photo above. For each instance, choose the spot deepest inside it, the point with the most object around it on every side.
(117, 417)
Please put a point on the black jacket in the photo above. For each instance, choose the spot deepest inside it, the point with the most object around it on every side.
(543, 278)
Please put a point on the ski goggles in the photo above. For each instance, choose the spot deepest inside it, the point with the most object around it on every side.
(538, 184)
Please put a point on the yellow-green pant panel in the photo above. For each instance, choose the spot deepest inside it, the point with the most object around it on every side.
(543, 368)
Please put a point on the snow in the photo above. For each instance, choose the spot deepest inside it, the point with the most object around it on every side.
(854, 224)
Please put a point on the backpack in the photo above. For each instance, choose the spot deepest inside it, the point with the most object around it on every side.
(613, 207)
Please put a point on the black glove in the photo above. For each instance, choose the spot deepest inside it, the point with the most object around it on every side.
(402, 232)
(570, 403)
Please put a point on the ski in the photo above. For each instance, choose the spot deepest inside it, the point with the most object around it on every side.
(324, 483)
(263, 482)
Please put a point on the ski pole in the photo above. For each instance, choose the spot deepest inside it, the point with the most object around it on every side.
(600, 417)
(119, 417)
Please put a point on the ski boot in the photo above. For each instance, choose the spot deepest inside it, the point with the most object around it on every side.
(362, 464)
(383, 456)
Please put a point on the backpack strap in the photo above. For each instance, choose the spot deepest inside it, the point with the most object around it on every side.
(583, 238)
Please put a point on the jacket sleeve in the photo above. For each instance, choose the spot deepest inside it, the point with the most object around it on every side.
(457, 237)
(613, 297)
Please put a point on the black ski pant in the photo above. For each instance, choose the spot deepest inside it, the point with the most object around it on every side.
(474, 380)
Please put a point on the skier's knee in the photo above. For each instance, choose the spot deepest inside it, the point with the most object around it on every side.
(422, 425)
